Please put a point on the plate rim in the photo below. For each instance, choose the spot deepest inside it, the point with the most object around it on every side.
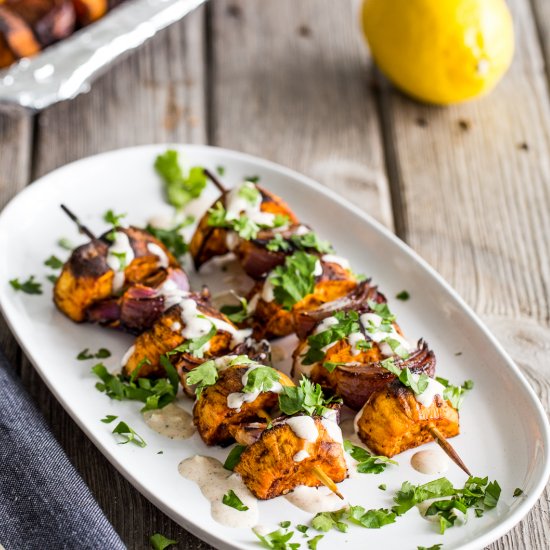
(491, 535)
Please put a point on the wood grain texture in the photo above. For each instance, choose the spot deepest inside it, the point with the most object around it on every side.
(16, 130)
(155, 95)
(474, 180)
(291, 82)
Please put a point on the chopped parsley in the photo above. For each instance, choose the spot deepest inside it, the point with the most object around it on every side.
(172, 239)
(54, 262)
(250, 194)
(368, 463)
(455, 394)
(517, 492)
(102, 353)
(302, 528)
(30, 286)
(277, 540)
(52, 278)
(261, 379)
(294, 280)
(203, 376)
(369, 519)
(128, 435)
(348, 323)
(234, 457)
(417, 383)
(305, 397)
(121, 257)
(112, 218)
(154, 393)
(312, 543)
(477, 493)
(65, 244)
(195, 346)
(236, 313)
(220, 170)
(109, 418)
(434, 547)
(382, 487)
(403, 296)
(231, 499)
(285, 524)
(160, 542)
(308, 241)
(180, 189)
(252, 179)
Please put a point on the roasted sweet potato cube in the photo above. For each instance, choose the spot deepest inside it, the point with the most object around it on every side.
(393, 421)
(88, 11)
(17, 34)
(272, 466)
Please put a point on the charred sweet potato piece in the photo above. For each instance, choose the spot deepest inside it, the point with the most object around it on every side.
(270, 320)
(269, 467)
(51, 20)
(166, 334)
(362, 374)
(17, 34)
(86, 278)
(6, 55)
(393, 421)
(215, 420)
(208, 242)
(88, 11)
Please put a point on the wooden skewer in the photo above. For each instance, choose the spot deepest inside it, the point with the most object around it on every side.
(448, 448)
(325, 480)
(81, 228)
(215, 180)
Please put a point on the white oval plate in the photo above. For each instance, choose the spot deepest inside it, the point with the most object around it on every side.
(505, 432)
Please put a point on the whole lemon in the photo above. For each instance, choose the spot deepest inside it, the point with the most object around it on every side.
(440, 51)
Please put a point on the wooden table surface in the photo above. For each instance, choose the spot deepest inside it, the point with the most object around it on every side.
(468, 187)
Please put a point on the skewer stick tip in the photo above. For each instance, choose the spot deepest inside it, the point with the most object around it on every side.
(449, 449)
(214, 179)
(325, 480)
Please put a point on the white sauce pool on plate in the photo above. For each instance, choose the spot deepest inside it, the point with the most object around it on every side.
(214, 482)
(315, 500)
(171, 421)
(430, 462)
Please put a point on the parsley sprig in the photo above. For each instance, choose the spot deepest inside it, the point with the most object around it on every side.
(339, 520)
(306, 397)
(154, 393)
(180, 189)
(231, 499)
(236, 313)
(417, 383)
(307, 241)
(368, 463)
(294, 280)
(30, 286)
(128, 435)
(172, 238)
(196, 346)
(455, 394)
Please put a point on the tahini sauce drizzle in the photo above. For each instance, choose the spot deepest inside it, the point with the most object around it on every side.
(171, 421)
(214, 481)
(430, 461)
(120, 245)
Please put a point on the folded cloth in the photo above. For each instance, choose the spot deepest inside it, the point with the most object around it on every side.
(44, 503)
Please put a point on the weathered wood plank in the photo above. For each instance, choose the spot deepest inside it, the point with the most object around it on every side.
(474, 182)
(16, 130)
(155, 95)
(291, 82)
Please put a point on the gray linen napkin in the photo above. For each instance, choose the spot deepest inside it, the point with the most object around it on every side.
(44, 503)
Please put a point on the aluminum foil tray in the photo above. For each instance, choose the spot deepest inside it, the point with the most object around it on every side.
(66, 69)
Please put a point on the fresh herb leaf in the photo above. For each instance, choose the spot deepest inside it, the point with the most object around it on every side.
(455, 394)
(417, 383)
(112, 218)
(243, 225)
(195, 346)
(128, 435)
(285, 524)
(382, 310)
(410, 495)
(220, 170)
(278, 242)
(492, 494)
(261, 379)
(433, 547)
(236, 313)
(302, 528)
(84, 355)
(305, 397)
(231, 499)
(102, 353)
(311, 241)
(234, 457)
(203, 376)
(382, 486)
(54, 262)
(294, 280)
(30, 286)
(160, 542)
(370, 519)
(277, 540)
(109, 418)
(121, 257)
(250, 194)
(155, 394)
(403, 295)
(517, 492)
(252, 179)
(331, 365)
(52, 278)
(172, 239)
(368, 463)
(65, 244)
(325, 521)
(312, 543)
(348, 323)
(180, 189)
